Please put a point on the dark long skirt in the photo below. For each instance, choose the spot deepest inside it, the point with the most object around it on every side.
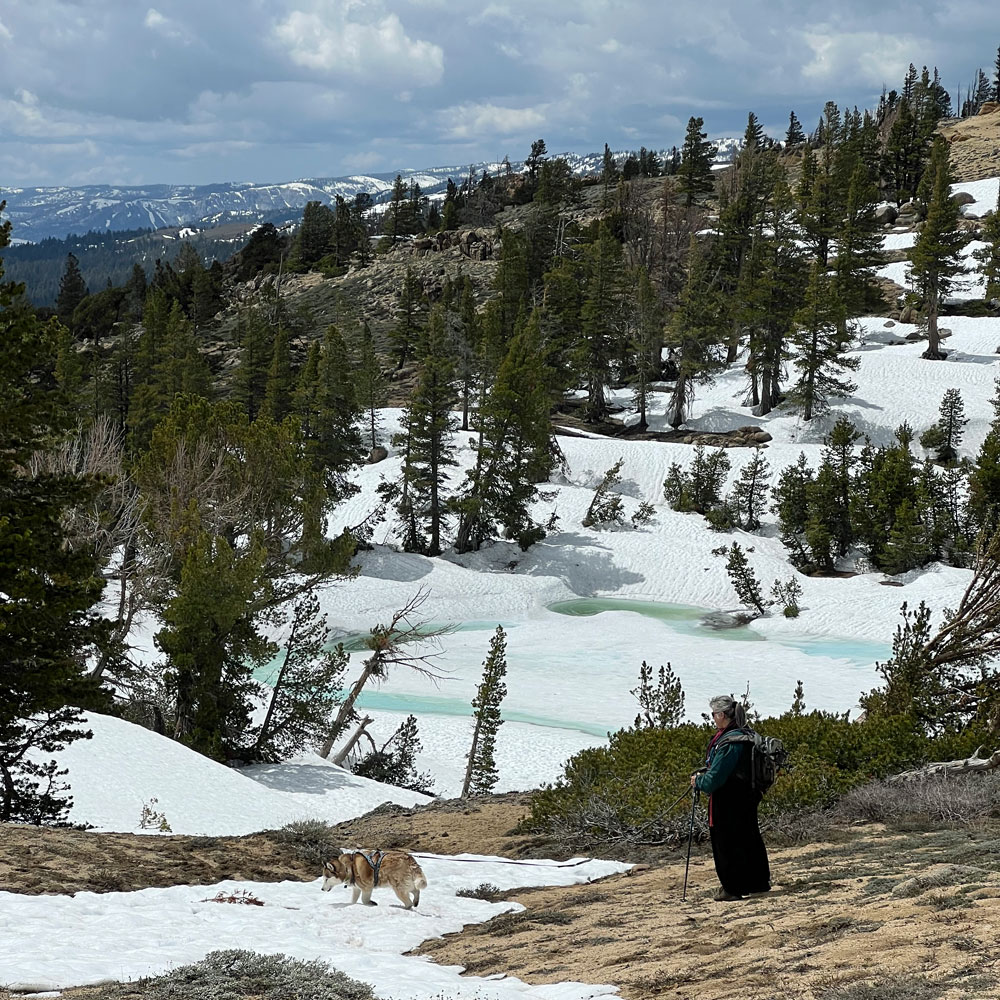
(737, 846)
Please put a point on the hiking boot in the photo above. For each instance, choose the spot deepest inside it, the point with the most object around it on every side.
(721, 896)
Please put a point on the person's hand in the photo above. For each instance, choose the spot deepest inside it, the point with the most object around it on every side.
(693, 777)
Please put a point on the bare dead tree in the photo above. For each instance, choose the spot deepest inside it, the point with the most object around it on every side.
(967, 765)
(392, 646)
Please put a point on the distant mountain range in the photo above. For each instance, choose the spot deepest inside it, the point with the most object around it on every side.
(37, 213)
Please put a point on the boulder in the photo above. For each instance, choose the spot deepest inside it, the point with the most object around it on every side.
(962, 198)
(907, 315)
(886, 214)
(377, 454)
(889, 324)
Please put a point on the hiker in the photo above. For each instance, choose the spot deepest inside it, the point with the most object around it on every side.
(737, 846)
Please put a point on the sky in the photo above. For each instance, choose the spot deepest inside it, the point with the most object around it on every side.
(188, 91)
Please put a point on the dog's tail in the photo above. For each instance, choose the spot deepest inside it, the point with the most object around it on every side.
(419, 880)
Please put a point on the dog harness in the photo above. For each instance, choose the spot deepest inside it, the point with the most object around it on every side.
(375, 862)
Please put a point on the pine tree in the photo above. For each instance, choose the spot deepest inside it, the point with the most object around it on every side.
(695, 170)
(334, 443)
(820, 342)
(936, 256)
(278, 393)
(371, 384)
(907, 546)
(988, 256)
(946, 435)
(395, 222)
(646, 344)
(306, 688)
(662, 706)
(744, 582)
(255, 337)
(49, 587)
(996, 78)
(602, 302)
(72, 290)
(395, 762)
(430, 422)
(513, 448)
(410, 314)
(799, 700)
(753, 135)
(858, 246)
(750, 491)
(696, 333)
(481, 771)
(794, 136)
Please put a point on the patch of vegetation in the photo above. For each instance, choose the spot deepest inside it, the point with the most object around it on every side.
(310, 839)
(485, 890)
(236, 974)
(907, 987)
(511, 923)
(108, 880)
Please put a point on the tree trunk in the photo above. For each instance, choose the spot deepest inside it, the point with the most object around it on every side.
(973, 763)
(344, 752)
(472, 755)
(344, 715)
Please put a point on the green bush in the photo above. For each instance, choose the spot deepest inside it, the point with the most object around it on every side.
(627, 789)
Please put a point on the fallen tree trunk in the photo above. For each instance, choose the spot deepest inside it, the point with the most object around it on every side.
(973, 763)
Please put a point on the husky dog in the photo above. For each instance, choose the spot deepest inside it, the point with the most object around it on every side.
(363, 870)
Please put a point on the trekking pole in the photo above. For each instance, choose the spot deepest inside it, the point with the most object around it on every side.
(679, 799)
(694, 802)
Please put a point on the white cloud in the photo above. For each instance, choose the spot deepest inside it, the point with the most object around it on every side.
(870, 56)
(361, 161)
(611, 45)
(5, 33)
(165, 26)
(324, 39)
(468, 121)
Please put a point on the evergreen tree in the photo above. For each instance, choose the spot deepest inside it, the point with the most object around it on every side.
(753, 136)
(794, 136)
(695, 334)
(858, 247)
(750, 491)
(513, 448)
(49, 587)
(213, 644)
(744, 582)
(72, 290)
(695, 171)
(279, 389)
(791, 504)
(984, 479)
(395, 223)
(481, 771)
(936, 256)
(602, 303)
(996, 78)
(647, 344)
(429, 422)
(371, 384)
(988, 256)
(410, 315)
(395, 762)
(820, 344)
(946, 435)
(255, 337)
(334, 443)
(662, 706)
(306, 689)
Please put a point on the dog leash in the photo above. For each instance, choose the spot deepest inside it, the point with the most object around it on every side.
(504, 861)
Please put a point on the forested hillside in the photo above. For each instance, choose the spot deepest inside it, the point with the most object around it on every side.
(221, 412)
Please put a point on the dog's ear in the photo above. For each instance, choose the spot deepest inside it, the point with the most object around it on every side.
(328, 866)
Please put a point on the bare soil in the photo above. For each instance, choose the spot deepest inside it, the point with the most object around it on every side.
(864, 914)
(974, 143)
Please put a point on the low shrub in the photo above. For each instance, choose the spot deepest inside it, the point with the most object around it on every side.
(236, 974)
(310, 839)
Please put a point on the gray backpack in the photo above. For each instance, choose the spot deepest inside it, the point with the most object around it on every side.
(767, 756)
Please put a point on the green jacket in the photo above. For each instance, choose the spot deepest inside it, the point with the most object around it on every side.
(722, 761)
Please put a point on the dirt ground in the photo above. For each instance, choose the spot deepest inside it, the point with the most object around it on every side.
(867, 914)
(975, 145)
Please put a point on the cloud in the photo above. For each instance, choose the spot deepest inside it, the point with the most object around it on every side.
(325, 40)
(469, 121)
(5, 33)
(857, 55)
(361, 161)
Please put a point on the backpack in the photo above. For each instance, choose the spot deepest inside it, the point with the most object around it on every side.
(767, 757)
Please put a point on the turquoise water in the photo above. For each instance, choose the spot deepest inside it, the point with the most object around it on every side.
(681, 618)
(677, 618)
(689, 621)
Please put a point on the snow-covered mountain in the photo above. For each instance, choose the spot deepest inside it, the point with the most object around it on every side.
(40, 212)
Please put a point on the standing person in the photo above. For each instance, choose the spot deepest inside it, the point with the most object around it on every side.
(737, 846)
